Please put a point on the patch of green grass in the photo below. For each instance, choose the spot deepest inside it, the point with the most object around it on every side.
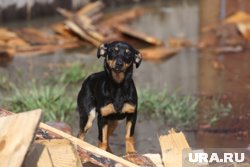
(76, 73)
(218, 110)
(180, 111)
(5, 83)
(52, 100)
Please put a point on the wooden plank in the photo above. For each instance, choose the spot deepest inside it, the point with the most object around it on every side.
(61, 154)
(123, 17)
(155, 158)
(82, 26)
(140, 160)
(16, 135)
(172, 146)
(90, 8)
(158, 53)
(138, 35)
(87, 146)
(38, 156)
(86, 151)
(35, 37)
(75, 28)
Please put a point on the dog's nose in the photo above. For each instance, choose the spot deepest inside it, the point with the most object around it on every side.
(119, 63)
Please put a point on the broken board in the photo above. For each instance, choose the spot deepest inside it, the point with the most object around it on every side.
(56, 153)
(16, 135)
(172, 146)
(158, 53)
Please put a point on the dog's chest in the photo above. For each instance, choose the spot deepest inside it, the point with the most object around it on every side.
(119, 98)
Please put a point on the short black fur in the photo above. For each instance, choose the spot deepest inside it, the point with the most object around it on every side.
(101, 89)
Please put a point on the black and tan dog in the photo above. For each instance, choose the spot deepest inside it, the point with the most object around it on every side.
(111, 94)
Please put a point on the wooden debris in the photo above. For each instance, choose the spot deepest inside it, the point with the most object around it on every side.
(229, 49)
(6, 35)
(16, 135)
(244, 28)
(158, 53)
(140, 160)
(35, 37)
(179, 42)
(123, 17)
(81, 33)
(138, 35)
(82, 26)
(61, 153)
(237, 17)
(87, 152)
(155, 158)
(172, 146)
(88, 147)
(38, 156)
(91, 8)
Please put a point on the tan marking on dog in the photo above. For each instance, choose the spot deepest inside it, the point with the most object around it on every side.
(90, 120)
(111, 63)
(107, 110)
(118, 76)
(91, 117)
(129, 141)
(81, 135)
(104, 144)
(128, 108)
(127, 65)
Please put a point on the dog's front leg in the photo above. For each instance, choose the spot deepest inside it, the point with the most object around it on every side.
(129, 138)
(103, 132)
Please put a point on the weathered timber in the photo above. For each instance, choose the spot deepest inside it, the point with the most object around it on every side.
(15, 139)
(158, 53)
(172, 146)
(138, 35)
(61, 154)
(88, 151)
(88, 147)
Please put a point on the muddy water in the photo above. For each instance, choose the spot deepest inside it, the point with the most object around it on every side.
(190, 71)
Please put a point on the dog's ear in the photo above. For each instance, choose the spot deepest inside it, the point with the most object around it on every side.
(102, 50)
(137, 58)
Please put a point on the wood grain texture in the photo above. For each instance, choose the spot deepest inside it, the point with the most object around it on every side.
(87, 146)
(55, 152)
(172, 146)
(16, 135)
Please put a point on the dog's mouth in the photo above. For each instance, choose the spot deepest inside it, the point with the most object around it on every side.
(117, 70)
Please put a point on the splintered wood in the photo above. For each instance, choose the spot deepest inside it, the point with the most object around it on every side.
(172, 146)
(53, 153)
(86, 151)
(158, 53)
(16, 135)
(88, 147)
(85, 25)
(136, 34)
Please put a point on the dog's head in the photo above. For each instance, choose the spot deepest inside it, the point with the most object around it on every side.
(119, 56)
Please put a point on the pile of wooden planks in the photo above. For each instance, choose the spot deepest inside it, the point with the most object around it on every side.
(86, 25)
(51, 147)
(41, 145)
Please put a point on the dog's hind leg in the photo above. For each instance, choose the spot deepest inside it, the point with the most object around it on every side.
(86, 121)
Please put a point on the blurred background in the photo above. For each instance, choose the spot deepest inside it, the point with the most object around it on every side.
(194, 76)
